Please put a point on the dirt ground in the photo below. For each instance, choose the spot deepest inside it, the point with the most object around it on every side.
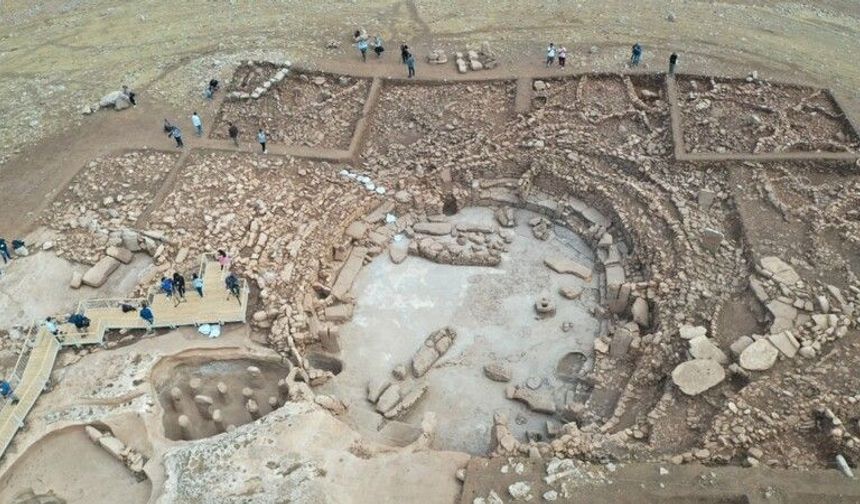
(56, 57)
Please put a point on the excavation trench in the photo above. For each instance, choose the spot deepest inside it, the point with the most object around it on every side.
(511, 316)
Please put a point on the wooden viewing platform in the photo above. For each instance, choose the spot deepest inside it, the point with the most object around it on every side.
(37, 358)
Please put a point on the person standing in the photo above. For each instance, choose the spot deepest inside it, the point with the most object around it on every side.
(261, 138)
(362, 47)
(550, 54)
(176, 134)
(198, 124)
(673, 61)
(179, 285)
(410, 65)
(223, 260)
(233, 131)
(197, 283)
(7, 392)
(562, 56)
(51, 326)
(232, 284)
(636, 55)
(4, 251)
(167, 288)
(404, 52)
(167, 127)
(147, 316)
(377, 46)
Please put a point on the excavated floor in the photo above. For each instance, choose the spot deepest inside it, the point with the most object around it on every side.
(69, 466)
(493, 312)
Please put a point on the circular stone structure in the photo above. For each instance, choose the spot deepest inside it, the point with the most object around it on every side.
(491, 310)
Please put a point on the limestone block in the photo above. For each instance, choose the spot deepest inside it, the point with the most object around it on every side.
(99, 273)
(698, 375)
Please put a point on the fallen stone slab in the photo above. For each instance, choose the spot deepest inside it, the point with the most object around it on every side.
(783, 316)
(786, 343)
(388, 399)
(698, 375)
(77, 278)
(780, 270)
(641, 312)
(398, 254)
(409, 400)
(435, 345)
(356, 230)
(689, 332)
(423, 360)
(564, 265)
(121, 254)
(570, 292)
(433, 228)
(339, 313)
(348, 272)
(375, 388)
(759, 356)
(702, 347)
(99, 273)
(740, 344)
(540, 401)
(497, 372)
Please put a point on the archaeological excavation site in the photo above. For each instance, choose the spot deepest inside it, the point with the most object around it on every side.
(581, 287)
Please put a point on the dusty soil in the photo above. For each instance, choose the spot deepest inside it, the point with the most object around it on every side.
(69, 465)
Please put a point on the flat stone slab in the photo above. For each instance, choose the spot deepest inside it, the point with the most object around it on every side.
(99, 273)
(564, 265)
(338, 313)
(497, 372)
(121, 254)
(760, 356)
(433, 228)
(786, 343)
(701, 347)
(615, 274)
(698, 375)
(356, 230)
(780, 270)
(689, 332)
(348, 273)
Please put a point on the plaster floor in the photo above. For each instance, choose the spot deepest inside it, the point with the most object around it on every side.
(36, 286)
(492, 311)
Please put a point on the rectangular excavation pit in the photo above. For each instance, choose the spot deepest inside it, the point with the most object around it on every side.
(303, 109)
(735, 116)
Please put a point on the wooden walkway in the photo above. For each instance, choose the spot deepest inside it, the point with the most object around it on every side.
(34, 366)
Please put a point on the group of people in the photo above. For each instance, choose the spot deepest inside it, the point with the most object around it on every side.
(173, 288)
(363, 44)
(553, 52)
(175, 133)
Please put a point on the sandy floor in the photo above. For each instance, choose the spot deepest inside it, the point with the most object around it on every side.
(492, 310)
(45, 277)
(76, 470)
